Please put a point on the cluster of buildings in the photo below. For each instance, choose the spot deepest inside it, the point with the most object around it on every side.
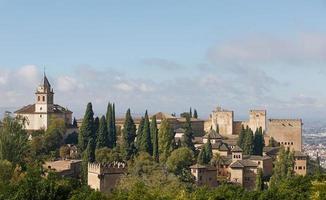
(221, 129)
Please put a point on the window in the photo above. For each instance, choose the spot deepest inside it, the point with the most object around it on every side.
(200, 178)
(40, 108)
(38, 98)
(291, 143)
(43, 98)
(41, 116)
(258, 162)
(300, 168)
(304, 168)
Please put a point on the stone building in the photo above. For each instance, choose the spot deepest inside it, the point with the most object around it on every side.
(64, 168)
(38, 115)
(287, 132)
(204, 175)
(104, 178)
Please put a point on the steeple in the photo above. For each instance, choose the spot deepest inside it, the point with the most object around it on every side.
(44, 95)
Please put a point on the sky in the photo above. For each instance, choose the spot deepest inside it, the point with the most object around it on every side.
(167, 55)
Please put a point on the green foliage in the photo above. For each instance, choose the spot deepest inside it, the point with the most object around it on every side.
(246, 141)
(53, 138)
(128, 137)
(140, 132)
(106, 155)
(72, 138)
(188, 135)
(13, 141)
(180, 160)
(102, 134)
(87, 128)
(259, 180)
(145, 141)
(110, 117)
(165, 141)
(96, 125)
(74, 123)
(154, 136)
(283, 167)
(206, 154)
(195, 114)
(258, 142)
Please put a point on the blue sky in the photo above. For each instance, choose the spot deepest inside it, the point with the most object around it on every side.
(167, 55)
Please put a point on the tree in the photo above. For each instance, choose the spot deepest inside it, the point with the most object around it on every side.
(96, 125)
(145, 139)
(154, 136)
(128, 136)
(140, 132)
(201, 158)
(190, 112)
(208, 151)
(88, 156)
(283, 167)
(64, 152)
(102, 134)
(259, 180)
(166, 138)
(180, 159)
(247, 139)
(188, 135)
(106, 155)
(258, 142)
(112, 140)
(87, 128)
(114, 128)
(241, 137)
(74, 123)
(53, 137)
(195, 114)
(13, 141)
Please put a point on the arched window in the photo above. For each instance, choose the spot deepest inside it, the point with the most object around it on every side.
(43, 98)
(38, 98)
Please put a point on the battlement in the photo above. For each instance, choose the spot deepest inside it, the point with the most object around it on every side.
(114, 167)
(286, 122)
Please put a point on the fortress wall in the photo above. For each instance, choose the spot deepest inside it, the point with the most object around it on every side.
(287, 132)
(224, 120)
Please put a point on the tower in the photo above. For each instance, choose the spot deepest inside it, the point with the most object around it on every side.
(44, 97)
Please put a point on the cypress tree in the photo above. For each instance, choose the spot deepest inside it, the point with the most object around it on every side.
(114, 129)
(190, 112)
(201, 159)
(154, 134)
(74, 123)
(140, 132)
(195, 114)
(87, 128)
(145, 140)
(258, 142)
(96, 125)
(110, 126)
(248, 142)
(88, 156)
(102, 135)
(241, 137)
(166, 138)
(188, 135)
(128, 136)
(259, 180)
(208, 151)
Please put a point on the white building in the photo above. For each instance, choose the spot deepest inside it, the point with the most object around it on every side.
(38, 115)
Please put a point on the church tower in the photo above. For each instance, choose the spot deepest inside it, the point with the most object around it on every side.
(44, 97)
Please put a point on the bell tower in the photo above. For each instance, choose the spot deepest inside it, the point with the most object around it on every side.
(44, 96)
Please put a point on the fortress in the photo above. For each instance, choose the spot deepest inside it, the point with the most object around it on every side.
(287, 132)
(104, 178)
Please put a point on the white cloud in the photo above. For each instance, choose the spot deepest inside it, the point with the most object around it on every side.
(67, 84)
(124, 87)
(28, 73)
(262, 49)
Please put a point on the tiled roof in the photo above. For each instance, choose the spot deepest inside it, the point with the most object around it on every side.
(213, 135)
(161, 115)
(255, 157)
(243, 163)
(236, 149)
(299, 154)
(271, 150)
(30, 109)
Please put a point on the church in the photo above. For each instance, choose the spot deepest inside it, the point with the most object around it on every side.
(38, 115)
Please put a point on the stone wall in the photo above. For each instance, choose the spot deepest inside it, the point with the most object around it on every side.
(224, 120)
(287, 132)
(104, 178)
